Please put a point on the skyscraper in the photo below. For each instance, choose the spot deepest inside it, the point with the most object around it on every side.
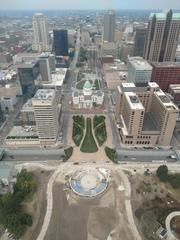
(109, 26)
(60, 44)
(40, 33)
(139, 42)
(46, 112)
(162, 37)
(28, 75)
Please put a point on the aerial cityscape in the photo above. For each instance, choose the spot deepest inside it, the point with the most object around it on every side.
(89, 120)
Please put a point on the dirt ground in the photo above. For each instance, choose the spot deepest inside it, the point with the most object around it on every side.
(152, 201)
(37, 207)
(78, 218)
(175, 224)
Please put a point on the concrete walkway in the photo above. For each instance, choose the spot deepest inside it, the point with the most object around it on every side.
(168, 224)
(49, 207)
(128, 205)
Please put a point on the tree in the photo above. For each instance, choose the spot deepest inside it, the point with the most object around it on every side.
(162, 173)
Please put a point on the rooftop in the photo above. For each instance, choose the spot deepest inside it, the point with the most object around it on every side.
(166, 64)
(19, 132)
(134, 101)
(57, 78)
(44, 94)
(139, 63)
(29, 64)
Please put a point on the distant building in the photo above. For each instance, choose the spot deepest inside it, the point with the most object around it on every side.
(28, 76)
(40, 33)
(162, 37)
(166, 73)
(109, 26)
(8, 98)
(174, 90)
(60, 44)
(126, 50)
(92, 57)
(5, 57)
(139, 71)
(147, 115)
(46, 112)
(109, 48)
(87, 97)
(139, 42)
(85, 39)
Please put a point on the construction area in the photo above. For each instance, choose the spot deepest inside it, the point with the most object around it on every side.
(153, 201)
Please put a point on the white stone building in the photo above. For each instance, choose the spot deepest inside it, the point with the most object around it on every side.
(87, 97)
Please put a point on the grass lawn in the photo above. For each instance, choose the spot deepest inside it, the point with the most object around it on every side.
(77, 134)
(89, 144)
(81, 83)
(80, 120)
(101, 134)
(96, 84)
(68, 153)
(97, 120)
(111, 154)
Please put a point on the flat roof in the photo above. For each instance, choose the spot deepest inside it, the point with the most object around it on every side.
(44, 94)
(134, 101)
(166, 64)
(57, 78)
(8, 92)
(30, 64)
(139, 63)
(22, 132)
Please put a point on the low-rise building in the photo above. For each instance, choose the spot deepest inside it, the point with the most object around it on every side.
(87, 97)
(8, 98)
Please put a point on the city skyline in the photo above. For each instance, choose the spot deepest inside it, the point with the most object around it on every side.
(79, 4)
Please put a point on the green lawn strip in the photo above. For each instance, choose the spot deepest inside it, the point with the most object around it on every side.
(78, 133)
(111, 154)
(81, 83)
(89, 145)
(97, 120)
(101, 134)
(68, 153)
(80, 120)
(96, 84)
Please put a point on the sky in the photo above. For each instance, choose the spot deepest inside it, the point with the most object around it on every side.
(88, 4)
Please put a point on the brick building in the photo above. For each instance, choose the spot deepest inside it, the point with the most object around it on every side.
(166, 73)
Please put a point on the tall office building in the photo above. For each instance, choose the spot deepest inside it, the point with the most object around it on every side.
(60, 44)
(40, 33)
(162, 37)
(46, 114)
(109, 26)
(139, 71)
(29, 76)
(147, 115)
(45, 67)
(139, 42)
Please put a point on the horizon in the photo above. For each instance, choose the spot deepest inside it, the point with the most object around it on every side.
(92, 5)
